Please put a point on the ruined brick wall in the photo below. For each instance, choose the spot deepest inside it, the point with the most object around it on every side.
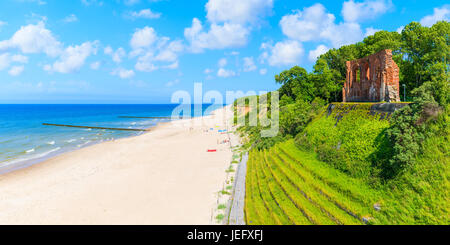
(372, 79)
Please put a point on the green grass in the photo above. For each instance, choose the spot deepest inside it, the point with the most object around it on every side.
(315, 195)
(296, 188)
(351, 144)
(223, 192)
(230, 170)
(256, 211)
(220, 217)
(292, 195)
(305, 208)
(222, 206)
(332, 174)
(271, 201)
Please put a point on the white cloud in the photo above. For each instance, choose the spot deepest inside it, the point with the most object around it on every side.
(92, 2)
(108, 50)
(442, 13)
(370, 31)
(230, 24)
(95, 65)
(223, 62)
(39, 2)
(6, 59)
(287, 52)
(223, 36)
(308, 24)
(172, 66)
(240, 12)
(143, 38)
(368, 9)
(146, 65)
(153, 51)
(70, 18)
(343, 34)
(19, 58)
(208, 71)
(263, 71)
(73, 58)
(3, 23)
(123, 73)
(249, 64)
(314, 54)
(400, 29)
(16, 70)
(149, 61)
(145, 14)
(34, 39)
(131, 2)
(170, 52)
(314, 23)
(116, 55)
(225, 73)
(172, 83)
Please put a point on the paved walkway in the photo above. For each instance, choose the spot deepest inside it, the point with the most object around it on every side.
(236, 215)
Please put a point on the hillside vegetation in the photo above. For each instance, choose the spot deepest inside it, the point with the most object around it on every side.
(287, 184)
(343, 163)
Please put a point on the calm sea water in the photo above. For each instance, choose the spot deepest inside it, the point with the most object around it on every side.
(24, 140)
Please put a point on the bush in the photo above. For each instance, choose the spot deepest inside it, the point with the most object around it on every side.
(302, 142)
(295, 116)
(333, 156)
(349, 138)
(410, 128)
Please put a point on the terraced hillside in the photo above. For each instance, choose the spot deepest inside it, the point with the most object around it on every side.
(284, 190)
(328, 175)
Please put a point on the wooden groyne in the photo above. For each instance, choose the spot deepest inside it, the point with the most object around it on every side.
(90, 127)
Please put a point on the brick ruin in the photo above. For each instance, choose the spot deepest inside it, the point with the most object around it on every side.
(373, 78)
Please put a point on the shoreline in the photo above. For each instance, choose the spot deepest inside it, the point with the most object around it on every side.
(131, 180)
(26, 163)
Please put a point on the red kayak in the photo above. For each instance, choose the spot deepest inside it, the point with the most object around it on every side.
(212, 150)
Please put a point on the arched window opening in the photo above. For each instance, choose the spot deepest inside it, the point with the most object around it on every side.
(358, 75)
(367, 72)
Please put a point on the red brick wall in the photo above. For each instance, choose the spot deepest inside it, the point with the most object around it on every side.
(378, 80)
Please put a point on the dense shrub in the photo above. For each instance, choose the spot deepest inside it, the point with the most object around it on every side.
(349, 139)
(410, 128)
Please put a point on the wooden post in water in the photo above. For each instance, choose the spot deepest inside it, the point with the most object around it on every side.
(75, 126)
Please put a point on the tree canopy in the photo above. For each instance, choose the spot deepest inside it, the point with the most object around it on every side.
(422, 54)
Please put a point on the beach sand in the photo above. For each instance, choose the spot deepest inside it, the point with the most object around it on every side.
(165, 176)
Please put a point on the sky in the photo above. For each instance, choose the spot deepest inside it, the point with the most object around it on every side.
(142, 51)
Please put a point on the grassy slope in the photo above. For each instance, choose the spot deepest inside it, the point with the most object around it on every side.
(351, 143)
(306, 190)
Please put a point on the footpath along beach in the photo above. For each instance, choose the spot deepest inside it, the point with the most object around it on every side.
(165, 176)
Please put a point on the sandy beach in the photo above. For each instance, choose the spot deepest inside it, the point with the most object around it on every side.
(165, 176)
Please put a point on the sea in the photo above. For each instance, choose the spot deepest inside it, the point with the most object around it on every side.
(25, 141)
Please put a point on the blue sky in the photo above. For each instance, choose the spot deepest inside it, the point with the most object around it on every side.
(141, 51)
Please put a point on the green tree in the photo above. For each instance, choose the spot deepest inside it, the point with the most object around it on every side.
(408, 129)
(295, 84)
(328, 82)
(294, 117)
(379, 41)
